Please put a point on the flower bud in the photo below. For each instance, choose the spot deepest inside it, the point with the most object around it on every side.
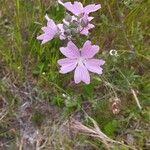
(67, 32)
(74, 31)
(84, 21)
(65, 26)
(68, 17)
(74, 24)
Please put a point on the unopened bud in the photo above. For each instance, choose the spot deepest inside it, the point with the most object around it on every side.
(74, 31)
(74, 24)
(65, 26)
(84, 23)
(68, 32)
(68, 17)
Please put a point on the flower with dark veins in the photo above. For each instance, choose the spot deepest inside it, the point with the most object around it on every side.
(51, 31)
(81, 61)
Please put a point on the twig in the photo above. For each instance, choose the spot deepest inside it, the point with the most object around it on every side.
(3, 115)
(21, 144)
(136, 99)
(132, 91)
(96, 132)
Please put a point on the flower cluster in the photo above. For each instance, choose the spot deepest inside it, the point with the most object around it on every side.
(76, 22)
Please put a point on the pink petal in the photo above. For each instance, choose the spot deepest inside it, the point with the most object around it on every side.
(49, 31)
(90, 18)
(46, 37)
(89, 50)
(60, 27)
(85, 18)
(85, 30)
(62, 35)
(81, 74)
(65, 61)
(76, 8)
(90, 26)
(45, 29)
(68, 67)
(50, 23)
(96, 62)
(73, 47)
(91, 8)
(93, 65)
(71, 51)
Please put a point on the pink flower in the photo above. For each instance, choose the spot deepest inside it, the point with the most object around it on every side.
(80, 60)
(85, 24)
(77, 8)
(51, 31)
(82, 14)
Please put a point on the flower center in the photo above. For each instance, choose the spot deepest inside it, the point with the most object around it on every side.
(80, 60)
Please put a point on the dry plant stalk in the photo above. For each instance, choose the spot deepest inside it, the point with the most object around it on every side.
(136, 99)
(97, 133)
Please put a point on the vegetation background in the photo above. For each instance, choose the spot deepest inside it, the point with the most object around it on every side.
(37, 103)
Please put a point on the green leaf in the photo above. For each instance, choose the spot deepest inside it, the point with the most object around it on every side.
(111, 127)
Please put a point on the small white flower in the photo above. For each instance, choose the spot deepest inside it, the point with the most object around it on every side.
(113, 52)
(64, 95)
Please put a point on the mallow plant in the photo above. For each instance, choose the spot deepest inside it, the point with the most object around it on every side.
(76, 23)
